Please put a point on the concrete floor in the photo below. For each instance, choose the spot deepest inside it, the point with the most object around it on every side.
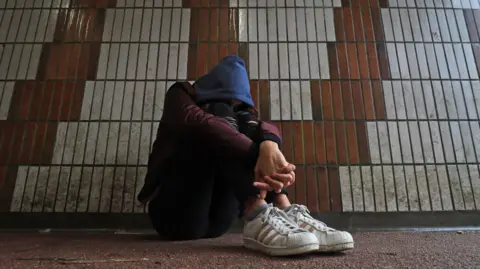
(373, 250)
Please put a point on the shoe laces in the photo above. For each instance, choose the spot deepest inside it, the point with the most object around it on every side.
(280, 221)
(303, 211)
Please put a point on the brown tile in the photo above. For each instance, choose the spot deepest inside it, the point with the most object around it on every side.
(353, 62)
(243, 52)
(316, 99)
(362, 143)
(228, 24)
(368, 100)
(27, 142)
(205, 3)
(287, 140)
(323, 190)
(330, 142)
(194, 35)
(357, 100)
(337, 102)
(49, 100)
(382, 61)
(309, 142)
(80, 25)
(192, 61)
(379, 100)
(300, 186)
(348, 106)
(358, 24)
(377, 24)
(8, 176)
(348, 24)
(205, 56)
(327, 100)
(68, 61)
(343, 60)
(93, 3)
(367, 24)
(254, 93)
(335, 190)
(341, 143)
(312, 195)
(298, 151)
(473, 25)
(339, 24)
(382, 3)
(333, 60)
(291, 193)
(320, 152)
(373, 57)
(214, 24)
(362, 3)
(363, 60)
(476, 53)
(353, 154)
(264, 93)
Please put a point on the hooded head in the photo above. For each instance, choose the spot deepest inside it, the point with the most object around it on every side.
(228, 80)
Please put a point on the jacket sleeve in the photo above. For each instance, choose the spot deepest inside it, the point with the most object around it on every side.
(182, 113)
(269, 131)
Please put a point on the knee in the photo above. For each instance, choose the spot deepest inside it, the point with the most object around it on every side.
(176, 228)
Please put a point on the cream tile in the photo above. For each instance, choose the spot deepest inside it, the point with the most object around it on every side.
(475, 4)
(378, 183)
(95, 190)
(405, 142)
(275, 101)
(324, 62)
(475, 126)
(300, 17)
(261, 17)
(292, 34)
(390, 190)
(367, 185)
(284, 61)
(422, 185)
(437, 141)
(282, 24)
(62, 189)
(263, 60)
(398, 97)
(60, 143)
(20, 182)
(357, 188)
(73, 189)
(425, 25)
(124, 136)
(469, 99)
(451, 61)
(444, 187)
(443, 24)
(52, 186)
(429, 100)
(440, 99)
(36, 4)
(475, 178)
(285, 101)
(416, 97)
(472, 70)
(476, 94)
(422, 61)
(6, 93)
(444, 54)
(253, 61)
(243, 24)
(389, 99)
(434, 27)
(112, 143)
(416, 142)
(141, 173)
(160, 90)
(460, 99)
(102, 140)
(85, 186)
(149, 101)
(467, 142)
(415, 24)
(402, 197)
(127, 102)
(29, 190)
(347, 200)
(447, 142)
(272, 24)
(396, 25)
(466, 187)
(406, 26)
(410, 179)
(273, 64)
(294, 100)
(113, 101)
(161, 67)
(91, 144)
(252, 25)
(40, 188)
(393, 60)
(413, 61)
(306, 97)
(134, 143)
(429, 155)
(304, 60)
(402, 61)
(432, 61)
(166, 25)
(117, 190)
(449, 100)
(293, 54)
(452, 25)
(19, 61)
(410, 99)
(311, 30)
(384, 139)
(129, 189)
(457, 141)
(395, 145)
(145, 143)
(462, 25)
(373, 142)
(106, 190)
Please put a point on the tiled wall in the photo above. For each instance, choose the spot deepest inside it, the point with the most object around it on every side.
(378, 101)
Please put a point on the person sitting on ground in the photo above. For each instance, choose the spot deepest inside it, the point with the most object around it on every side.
(213, 161)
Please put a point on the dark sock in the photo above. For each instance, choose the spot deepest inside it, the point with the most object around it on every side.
(257, 211)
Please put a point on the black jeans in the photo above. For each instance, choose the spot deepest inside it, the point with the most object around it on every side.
(202, 195)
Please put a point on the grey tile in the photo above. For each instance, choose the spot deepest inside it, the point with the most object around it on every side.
(347, 200)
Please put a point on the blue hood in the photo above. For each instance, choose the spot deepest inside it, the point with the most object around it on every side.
(227, 80)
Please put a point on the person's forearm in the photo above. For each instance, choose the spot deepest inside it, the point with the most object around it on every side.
(181, 112)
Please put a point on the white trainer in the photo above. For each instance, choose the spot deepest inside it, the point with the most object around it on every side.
(274, 233)
(329, 239)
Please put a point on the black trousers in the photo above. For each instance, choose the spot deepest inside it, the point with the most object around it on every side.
(201, 195)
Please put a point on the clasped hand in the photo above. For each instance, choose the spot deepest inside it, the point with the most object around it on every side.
(272, 171)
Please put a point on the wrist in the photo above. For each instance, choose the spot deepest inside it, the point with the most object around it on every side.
(268, 146)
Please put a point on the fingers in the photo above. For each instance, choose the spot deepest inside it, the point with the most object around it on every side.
(276, 185)
(284, 178)
(288, 168)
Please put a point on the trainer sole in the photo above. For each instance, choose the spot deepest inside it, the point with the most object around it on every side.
(335, 248)
(275, 251)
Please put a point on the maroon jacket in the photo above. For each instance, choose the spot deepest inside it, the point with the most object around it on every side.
(182, 116)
